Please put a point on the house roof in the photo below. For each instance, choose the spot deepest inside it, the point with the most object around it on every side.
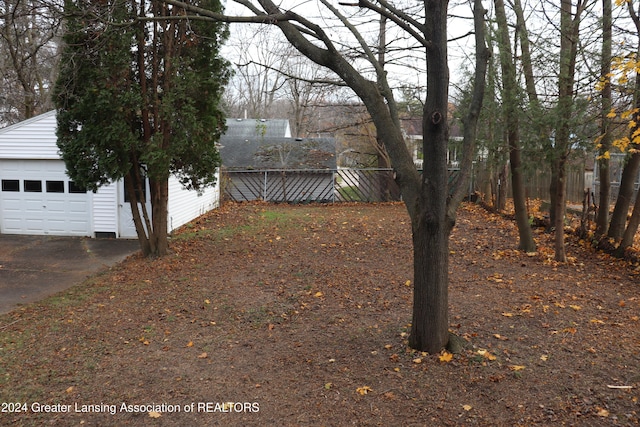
(251, 128)
(278, 153)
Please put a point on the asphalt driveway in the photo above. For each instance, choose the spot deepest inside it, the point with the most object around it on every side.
(34, 267)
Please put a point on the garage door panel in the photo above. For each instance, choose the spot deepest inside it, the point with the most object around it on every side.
(51, 211)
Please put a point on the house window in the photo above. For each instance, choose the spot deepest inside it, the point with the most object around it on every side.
(10, 185)
(75, 188)
(55, 187)
(32, 186)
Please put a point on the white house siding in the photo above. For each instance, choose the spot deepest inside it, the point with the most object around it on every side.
(31, 139)
(186, 205)
(28, 152)
(105, 210)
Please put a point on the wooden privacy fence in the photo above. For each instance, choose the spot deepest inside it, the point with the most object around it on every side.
(310, 185)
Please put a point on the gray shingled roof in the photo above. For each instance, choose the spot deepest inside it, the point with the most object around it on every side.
(278, 153)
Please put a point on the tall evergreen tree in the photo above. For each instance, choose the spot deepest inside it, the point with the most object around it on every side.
(138, 97)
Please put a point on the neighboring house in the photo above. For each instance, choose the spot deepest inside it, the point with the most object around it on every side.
(37, 197)
(278, 169)
(253, 128)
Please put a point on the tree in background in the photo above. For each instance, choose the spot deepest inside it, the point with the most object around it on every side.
(138, 98)
(511, 112)
(28, 57)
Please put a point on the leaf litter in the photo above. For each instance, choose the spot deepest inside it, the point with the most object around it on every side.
(306, 310)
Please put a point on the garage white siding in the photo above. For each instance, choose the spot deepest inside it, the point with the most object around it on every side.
(105, 210)
(37, 197)
(186, 205)
(31, 139)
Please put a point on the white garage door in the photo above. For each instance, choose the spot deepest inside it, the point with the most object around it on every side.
(37, 197)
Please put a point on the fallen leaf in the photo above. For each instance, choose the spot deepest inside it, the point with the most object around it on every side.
(202, 356)
(467, 407)
(69, 390)
(500, 337)
(516, 367)
(363, 390)
(207, 301)
(328, 386)
(190, 344)
(544, 357)
(417, 360)
(486, 355)
(154, 414)
(446, 357)
(507, 314)
(600, 322)
(318, 294)
(576, 307)
(603, 412)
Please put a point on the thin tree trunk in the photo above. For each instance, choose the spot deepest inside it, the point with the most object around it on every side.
(602, 217)
(569, 31)
(511, 112)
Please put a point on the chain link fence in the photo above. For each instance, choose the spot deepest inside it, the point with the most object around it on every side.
(311, 185)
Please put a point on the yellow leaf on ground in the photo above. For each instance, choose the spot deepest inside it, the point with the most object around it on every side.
(603, 412)
(318, 294)
(467, 407)
(363, 390)
(507, 314)
(446, 357)
(576, 307)
(190, 344)
(417, 360)
(203, 356)
(486, 355)
(516, 367)
(154, 414)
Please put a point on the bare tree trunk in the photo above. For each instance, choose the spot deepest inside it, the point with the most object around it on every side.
(625, 195)
(632, 228)
(569, 31)
(511, 112)
(602, 217)
(158, 236)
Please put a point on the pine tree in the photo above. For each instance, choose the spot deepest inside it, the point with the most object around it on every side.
(138, 97)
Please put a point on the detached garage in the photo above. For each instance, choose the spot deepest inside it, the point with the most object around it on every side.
(37, 197)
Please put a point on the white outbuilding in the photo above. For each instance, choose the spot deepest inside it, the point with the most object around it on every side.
(38, 197)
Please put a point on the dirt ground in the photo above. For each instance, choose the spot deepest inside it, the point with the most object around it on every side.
(298, 316)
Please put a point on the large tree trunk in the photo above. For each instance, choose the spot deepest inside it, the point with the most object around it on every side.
(430, 325)
(426, 196)
(159, 200)
(511, 113)
(602, 217)
(625, 195)
(632, 228)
